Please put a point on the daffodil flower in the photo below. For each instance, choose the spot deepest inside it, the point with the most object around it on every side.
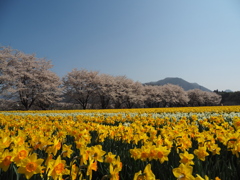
(30, 166)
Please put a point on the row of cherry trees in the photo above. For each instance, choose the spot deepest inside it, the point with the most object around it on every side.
(26, 81)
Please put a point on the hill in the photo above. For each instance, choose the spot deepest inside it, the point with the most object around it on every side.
(180, 82)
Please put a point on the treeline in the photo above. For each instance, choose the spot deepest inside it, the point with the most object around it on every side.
(229, 98)
(26, 82)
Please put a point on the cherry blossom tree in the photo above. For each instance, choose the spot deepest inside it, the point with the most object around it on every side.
(80, 86)
(119, 88)
(27, 79)
(153, 95)
(134, 96)
(53, 94)
(6, 61)
(174, 95)
(127, 93)
(203, 98)
(212, 98)
(105, 91)
(196, 97)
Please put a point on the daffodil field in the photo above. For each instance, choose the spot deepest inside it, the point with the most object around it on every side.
(191, 143)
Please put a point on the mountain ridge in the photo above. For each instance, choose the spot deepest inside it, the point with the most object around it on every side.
(180, 82)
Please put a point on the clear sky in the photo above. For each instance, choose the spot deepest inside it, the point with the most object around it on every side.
(146, 40)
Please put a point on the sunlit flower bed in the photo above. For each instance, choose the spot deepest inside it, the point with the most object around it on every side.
(127, 144)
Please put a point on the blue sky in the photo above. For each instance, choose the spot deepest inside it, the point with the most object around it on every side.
(146, 40)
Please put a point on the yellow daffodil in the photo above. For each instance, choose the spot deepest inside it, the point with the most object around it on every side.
(97, 153)
(20, 139)
(214, 149)
(186, 158)
(55, 147)
(201, 153)
(57, 168)
(5, 142)
(161, 153)
(19, 153)
(146, 175)
(39, 141)
(135, 153)
(5, 160)
(138, 176)
(30, 166)
(91, 167)
(144, 153)
(49, 157)
(183, 172)
(67, 151)
(85, 154)
(152, 153)
(74, 171)
(114, 172)
(236, 122)
(109, 158)
(117, 163)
